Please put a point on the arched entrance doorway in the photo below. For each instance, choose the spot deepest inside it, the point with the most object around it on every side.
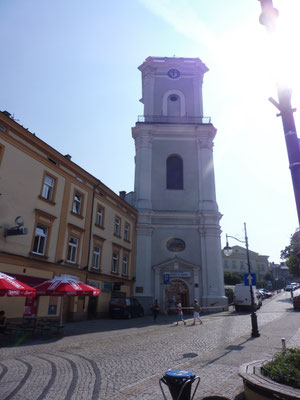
(177, 292)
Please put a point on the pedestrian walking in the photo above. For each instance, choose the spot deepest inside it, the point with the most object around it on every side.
(197, 310)
(180, 314)
(155, 310)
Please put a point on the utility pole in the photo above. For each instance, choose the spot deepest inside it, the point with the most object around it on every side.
(268, 17)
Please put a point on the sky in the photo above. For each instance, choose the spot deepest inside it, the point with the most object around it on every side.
(69, 74)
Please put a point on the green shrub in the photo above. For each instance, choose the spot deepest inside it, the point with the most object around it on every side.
(284, 368)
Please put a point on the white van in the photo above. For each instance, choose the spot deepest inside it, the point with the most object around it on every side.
(242, 298)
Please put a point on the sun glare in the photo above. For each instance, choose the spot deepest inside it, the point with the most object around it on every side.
(256, 61)
(283, 58)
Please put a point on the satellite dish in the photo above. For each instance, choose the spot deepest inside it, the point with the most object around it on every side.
(19, 221)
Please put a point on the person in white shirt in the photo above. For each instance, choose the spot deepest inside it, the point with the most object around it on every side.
(197, 310)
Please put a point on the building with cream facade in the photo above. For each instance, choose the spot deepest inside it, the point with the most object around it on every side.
(178, 248)
(76, 225)
(237, 262)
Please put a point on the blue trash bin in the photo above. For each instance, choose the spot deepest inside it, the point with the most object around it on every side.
(180, 384)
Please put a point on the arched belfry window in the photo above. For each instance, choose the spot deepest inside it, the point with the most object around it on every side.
(174, 106)
(174, 103)
(174, 172)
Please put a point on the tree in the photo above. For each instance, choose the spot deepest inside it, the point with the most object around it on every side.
(291, 254)
(232, 278)
(268, 277)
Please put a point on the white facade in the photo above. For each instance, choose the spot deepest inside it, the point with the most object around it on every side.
(178, 232)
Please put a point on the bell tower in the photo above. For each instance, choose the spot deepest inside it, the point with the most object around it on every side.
(178, 247)
(172, 87)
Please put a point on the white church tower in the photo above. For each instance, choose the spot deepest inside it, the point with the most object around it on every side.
(178, 247)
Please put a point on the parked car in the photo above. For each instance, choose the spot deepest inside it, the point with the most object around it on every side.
(262, 293)
(296, 302)
(266, 293)
(288, 288)
(126, 307)
(259, 298)
(294, 285)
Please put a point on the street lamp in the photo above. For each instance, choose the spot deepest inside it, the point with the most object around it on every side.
(268, 18)
(228, 251)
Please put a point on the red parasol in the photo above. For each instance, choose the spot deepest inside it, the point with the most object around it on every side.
(65, 286)
(14, 288)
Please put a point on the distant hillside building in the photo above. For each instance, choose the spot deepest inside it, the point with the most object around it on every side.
(178, 248)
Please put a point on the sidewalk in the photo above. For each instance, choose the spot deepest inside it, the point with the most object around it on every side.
(124, 359)
(219, 369)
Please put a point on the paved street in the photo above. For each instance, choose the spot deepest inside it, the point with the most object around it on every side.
(124, 359)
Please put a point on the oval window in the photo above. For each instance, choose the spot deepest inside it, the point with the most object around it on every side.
(175, 245)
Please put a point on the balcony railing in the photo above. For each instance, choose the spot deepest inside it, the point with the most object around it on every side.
(164, 119)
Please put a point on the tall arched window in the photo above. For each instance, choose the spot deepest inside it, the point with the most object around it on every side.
(174, 172)
(174, 106)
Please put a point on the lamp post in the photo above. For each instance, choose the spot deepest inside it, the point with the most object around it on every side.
(268, 17)
(228, 251)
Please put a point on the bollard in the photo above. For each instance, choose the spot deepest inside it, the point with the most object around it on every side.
(179, 384)
(283, 345)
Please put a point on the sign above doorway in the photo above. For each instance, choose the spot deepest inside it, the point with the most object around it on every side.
(178, 274)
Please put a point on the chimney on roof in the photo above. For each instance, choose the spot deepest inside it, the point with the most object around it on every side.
(7, 114)
(68, 156)
(122, 194)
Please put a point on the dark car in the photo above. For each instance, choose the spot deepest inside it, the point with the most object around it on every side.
(296, 302)
(126, 307)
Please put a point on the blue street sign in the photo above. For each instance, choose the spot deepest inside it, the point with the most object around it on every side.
(166, 279)
(248, 278)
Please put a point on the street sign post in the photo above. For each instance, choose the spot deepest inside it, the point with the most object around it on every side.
(166, 279)
(250, 279)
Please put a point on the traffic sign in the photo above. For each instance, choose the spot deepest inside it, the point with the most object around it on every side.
(250, 279)
(166, 279)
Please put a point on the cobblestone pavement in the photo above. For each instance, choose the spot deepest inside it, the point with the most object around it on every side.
(120, 359)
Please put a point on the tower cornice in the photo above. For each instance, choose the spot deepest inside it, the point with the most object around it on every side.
(161, 62)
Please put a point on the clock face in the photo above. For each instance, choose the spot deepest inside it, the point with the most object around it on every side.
(173, 73)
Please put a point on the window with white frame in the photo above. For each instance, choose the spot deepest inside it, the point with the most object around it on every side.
(125, 265)
(96, 257)
(117, 226)
(99, 218)
(72, 250)
(40, 239)
(126, 231)
(77, 203)
(48, 187)
(115, 262)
